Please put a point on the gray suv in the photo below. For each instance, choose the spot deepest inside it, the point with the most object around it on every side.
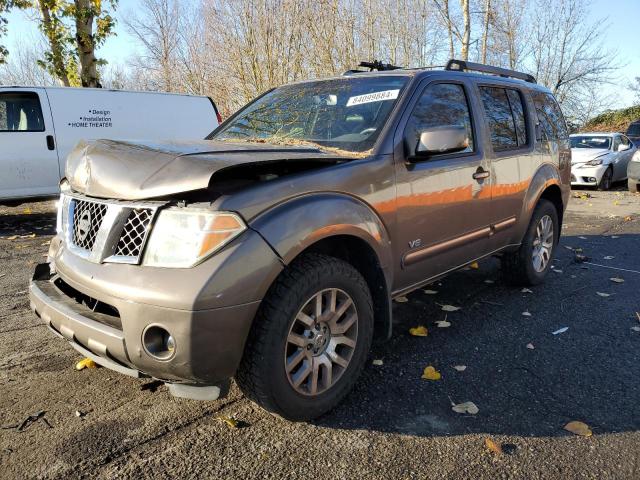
(271, 251)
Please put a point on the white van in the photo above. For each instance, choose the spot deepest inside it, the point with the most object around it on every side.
(40, 125)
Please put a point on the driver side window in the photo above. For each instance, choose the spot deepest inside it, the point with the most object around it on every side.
(440, 105)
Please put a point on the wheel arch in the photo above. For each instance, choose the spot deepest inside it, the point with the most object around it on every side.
(340, 226)
(546, 184)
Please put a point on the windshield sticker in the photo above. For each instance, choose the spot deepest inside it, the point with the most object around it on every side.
(373, 97)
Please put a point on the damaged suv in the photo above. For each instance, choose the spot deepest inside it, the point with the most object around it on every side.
(272, 250)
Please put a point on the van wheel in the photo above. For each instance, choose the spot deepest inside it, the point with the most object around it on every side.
(605, 181)
(310, 339)
(531, 263)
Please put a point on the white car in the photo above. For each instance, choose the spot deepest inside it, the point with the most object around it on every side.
(599, 159)
(40, 125)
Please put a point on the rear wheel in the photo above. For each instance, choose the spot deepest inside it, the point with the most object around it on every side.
(606, 180)
(531, 263)
(310, 339)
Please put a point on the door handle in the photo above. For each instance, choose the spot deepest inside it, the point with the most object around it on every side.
(481, 174)
(51, 144)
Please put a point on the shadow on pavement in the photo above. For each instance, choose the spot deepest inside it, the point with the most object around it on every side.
(588, 373)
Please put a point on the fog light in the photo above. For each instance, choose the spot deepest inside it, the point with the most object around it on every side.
(158, 342)
(592, 179)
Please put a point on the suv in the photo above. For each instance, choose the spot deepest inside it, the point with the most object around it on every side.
(271, 251)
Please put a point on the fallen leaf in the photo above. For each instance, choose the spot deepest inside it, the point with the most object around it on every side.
(27, 211)
(526, 314)
(230, 421)
(430, 373)
(582, 238)
(526, 290)
(617, 280)
(488, 281)
(530, 346)
(378, 362)
(46, 243)
(443, 324)
(559, 331)
(474, 265)
(401, 299)
(609, 257)
(86, 363)
(460, 368)
(430, 292)
(627, 218)
(12, 237)
(557, 271)
(635, 329)
(450, 308)
(578, 428)
(493, 446)
(419, 331)
(30, 235)
(602, 294)
(465, 407)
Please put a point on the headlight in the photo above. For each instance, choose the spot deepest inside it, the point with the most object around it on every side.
(63, 211)
(595, 162)
(183, 237)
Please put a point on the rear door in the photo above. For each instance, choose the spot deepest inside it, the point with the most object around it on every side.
(28, 156)
(513, 159)
(443, 201)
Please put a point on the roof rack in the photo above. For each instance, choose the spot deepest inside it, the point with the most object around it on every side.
(375, 65)
(462, 65)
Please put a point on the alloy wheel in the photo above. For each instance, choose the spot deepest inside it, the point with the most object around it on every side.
(543, 244)
(321, 341)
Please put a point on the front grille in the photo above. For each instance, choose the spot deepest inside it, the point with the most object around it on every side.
(87, 219)
(134, 233)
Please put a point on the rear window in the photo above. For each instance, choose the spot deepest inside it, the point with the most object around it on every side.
(550, 116)
(20, 112)
(505, 115)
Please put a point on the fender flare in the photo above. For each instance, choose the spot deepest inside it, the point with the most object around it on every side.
(546, 176)
(292, 226)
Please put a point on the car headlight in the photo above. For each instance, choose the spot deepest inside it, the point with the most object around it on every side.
(183, 237)
(595, 162)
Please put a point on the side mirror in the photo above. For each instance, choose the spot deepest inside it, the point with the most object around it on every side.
(622, 147)
(439, 140)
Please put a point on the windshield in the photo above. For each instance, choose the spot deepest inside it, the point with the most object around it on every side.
(634, 130)
(346, 113)
(584, 141)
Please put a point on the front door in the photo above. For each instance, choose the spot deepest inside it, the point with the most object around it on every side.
(28, 155)
(443, 200)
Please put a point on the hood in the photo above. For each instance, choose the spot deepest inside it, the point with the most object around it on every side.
(137, 171)
(582, 155)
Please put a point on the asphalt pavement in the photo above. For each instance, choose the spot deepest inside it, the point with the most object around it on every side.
(526, 381)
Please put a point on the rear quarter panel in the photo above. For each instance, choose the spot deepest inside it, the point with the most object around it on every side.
(89, 114)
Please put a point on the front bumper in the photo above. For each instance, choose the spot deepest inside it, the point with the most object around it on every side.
(633, 175)
(582, 175)
(191, 304)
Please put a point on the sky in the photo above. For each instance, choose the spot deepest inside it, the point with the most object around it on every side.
(621, 16)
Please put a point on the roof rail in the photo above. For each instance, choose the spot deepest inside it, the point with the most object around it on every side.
(461, 65)
(375, 65)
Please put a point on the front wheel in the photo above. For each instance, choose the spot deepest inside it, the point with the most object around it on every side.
(531, 263)
(310, 339)
(606, 180)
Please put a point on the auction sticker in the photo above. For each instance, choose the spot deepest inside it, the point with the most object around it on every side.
(373, 97)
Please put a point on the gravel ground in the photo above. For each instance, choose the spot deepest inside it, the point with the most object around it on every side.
(394, 424)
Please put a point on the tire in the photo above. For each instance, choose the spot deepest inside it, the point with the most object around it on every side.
(520, 267)
(263, 375)
(605, 181)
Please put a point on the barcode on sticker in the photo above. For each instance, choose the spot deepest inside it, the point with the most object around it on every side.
(373, 97)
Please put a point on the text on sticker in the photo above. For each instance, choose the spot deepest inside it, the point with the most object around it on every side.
(373, 97)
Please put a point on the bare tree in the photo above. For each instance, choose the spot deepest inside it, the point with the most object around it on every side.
(485, 30)
(22, 68)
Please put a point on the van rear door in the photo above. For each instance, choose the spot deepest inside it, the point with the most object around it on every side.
(28, 156)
